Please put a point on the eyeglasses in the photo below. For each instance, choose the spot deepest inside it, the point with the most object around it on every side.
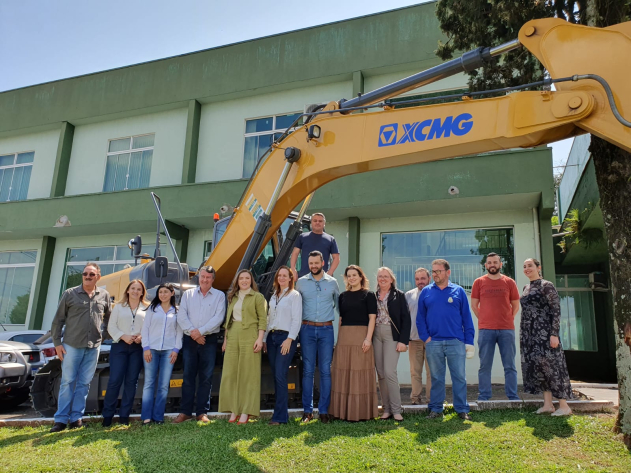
(438, 271)
(89, 274)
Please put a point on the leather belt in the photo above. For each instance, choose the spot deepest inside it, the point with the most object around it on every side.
(316, 324)
(276, 330)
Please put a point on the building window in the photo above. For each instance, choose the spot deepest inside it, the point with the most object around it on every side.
(578, 320)
(109, 258)
(15, 175)
(16, 280)
(208, 248)
(128, 163)
(465, 250)
(259, 135)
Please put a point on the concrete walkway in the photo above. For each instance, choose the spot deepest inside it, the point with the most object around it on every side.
(605, 392)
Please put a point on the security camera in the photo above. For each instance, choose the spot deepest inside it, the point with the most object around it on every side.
(453, 190)
(224, 209)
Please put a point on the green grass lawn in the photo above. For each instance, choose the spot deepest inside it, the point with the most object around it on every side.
(508, 440)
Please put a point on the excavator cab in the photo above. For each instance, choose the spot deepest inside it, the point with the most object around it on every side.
(278, 245)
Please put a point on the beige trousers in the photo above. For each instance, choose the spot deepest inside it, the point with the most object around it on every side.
(417, 360)
(386, 360)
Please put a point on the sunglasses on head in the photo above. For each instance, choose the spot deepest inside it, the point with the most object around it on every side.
(88, 274)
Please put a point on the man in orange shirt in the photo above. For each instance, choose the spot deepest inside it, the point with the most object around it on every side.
(495, 301)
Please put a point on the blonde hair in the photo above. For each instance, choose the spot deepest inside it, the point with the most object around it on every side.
(234, 287)
(393, 286)
(364, 280)
(125, 299)
(291, 280)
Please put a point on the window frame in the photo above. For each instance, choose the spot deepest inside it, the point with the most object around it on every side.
(112, 262)
(21, 265)
(566, 289)
(273, 131)
(16, 165)
(499, 227)
(131, 150)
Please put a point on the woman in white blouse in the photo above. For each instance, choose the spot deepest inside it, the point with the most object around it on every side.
(161, 342)
(124, 326)
(283, 325)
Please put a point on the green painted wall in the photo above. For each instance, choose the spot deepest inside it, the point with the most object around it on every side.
(412, 190)
(89, 151)
(45, 146)
(222, 125)
(191, 143)
(39, 292)
(396, 38)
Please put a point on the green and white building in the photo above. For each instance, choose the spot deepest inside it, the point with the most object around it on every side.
(79, 156)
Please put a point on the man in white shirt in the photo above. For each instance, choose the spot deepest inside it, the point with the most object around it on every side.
(417, 346)
(201, 313)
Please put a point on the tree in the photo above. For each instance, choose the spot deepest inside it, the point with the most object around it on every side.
(473, 23)
(18, 313)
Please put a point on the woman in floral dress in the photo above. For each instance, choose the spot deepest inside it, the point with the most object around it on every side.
(542, 360)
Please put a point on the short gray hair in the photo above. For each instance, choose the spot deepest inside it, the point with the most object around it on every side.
(209, 269)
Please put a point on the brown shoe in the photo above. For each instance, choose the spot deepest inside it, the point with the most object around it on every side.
(202, 418)
(324, 418)
(181, 418)
(306, 417)
(77, 424)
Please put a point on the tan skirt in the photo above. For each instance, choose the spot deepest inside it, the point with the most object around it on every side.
(354, 384)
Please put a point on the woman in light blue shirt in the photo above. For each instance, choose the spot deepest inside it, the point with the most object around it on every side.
(161, 343)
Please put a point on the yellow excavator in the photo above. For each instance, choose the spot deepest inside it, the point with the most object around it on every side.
(586, 68)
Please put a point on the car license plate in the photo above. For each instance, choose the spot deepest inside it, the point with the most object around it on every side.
(176, 383)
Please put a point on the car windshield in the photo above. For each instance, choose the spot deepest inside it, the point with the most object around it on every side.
(26, 337)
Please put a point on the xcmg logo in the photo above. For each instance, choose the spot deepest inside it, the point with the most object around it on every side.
(426, 130)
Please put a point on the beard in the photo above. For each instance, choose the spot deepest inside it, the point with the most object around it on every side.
(315, 273)
(493, 270)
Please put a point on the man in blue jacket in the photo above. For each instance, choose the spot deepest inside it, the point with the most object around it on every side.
(444, 323)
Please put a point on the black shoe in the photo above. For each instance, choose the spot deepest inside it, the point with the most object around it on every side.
(464, 416)
(123, 420)
(58, 427)
(306, 417)
(107, 421)
(325, 418)
(77, 424)
(145, 424)
(158, 422)
(435, 415)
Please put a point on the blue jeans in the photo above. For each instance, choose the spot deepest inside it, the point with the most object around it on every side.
(505, 339)
(125, 366)
(316, 343)
(453, 351)
(157, 377)
(199, 364)
(280, 366)
(77, 370)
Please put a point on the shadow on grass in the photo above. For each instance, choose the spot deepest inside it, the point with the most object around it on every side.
(220, 446)
(543, 426)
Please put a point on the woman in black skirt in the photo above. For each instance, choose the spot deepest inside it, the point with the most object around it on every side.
(542, 359)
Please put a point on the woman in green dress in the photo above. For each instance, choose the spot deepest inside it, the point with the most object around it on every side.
(246, 321)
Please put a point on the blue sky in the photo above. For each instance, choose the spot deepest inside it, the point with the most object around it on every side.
(47, 40)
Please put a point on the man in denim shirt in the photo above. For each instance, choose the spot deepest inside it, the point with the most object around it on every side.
(320, 294)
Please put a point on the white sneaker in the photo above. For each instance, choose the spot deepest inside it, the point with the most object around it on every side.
(562, 412)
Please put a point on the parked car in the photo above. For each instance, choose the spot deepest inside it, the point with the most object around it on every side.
(47, 350)
(18, 364)
(24, 336)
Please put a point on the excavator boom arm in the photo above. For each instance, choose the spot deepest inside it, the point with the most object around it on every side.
(351, 144)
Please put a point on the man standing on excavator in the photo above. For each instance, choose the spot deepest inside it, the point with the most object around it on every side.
(315, 240)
